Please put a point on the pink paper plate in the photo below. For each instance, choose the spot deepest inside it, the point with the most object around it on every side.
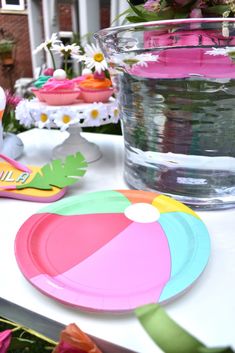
(113, 250)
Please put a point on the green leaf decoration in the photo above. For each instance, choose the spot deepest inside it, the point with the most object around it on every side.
(58, 173)
(168, 335)
(215, 350)
(217, 9)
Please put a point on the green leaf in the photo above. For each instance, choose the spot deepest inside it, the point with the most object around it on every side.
(217, 9)
(165, 332)
(146, 16)
(170, 336)
(136, 9)
(58, 173)
(215, 350)
(126, 12)
(135, 19)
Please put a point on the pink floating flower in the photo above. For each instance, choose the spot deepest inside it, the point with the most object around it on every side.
(5, 340)
(196, 13)
(152, 5)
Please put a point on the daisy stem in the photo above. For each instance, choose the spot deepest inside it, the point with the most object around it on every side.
(66, 63)
(52, 58)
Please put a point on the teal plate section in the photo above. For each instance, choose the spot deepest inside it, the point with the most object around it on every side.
(89, 203)
(189, 245)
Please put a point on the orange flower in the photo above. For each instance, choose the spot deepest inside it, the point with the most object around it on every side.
(74, 338)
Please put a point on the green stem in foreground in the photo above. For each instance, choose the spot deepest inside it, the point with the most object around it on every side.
(52, 58)
(66, 63)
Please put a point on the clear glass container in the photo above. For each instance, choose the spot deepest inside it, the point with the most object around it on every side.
(175, 83)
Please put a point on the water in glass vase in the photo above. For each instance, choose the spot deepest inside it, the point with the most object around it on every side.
(176, 93)
(180, 137)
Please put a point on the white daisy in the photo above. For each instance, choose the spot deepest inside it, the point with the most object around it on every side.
(64, 118)
(48, 44)
(94, 114)
(94, 58)
(66, 49)
(22, 114)
(131, 59)
(114, 113)
(41, 118)
(78, 57)
(222, 51)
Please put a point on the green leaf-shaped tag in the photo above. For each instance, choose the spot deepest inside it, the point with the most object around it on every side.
(58, 173)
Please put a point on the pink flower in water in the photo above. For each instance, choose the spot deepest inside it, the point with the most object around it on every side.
(196, 13)
(152, 5)
(5, 340)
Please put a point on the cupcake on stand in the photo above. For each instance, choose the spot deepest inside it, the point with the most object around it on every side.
(57, 90)
(71, 104)
(61, 103)
(96, 88)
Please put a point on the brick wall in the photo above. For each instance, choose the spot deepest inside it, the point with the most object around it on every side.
(65, 17)
(17, 25)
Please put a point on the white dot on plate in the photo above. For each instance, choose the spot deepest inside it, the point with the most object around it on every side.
(142, 213)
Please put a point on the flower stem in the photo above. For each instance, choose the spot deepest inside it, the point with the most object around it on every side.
(52, 58)
(66, 63)
(16, 329)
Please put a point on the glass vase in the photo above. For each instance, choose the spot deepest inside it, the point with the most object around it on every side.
(175, 83)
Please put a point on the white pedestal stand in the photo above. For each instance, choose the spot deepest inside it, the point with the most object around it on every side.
(32, 111)
(12, 146)
(76, 143)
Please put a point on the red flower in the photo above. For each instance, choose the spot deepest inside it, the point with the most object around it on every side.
(5, 340)
(74, 340)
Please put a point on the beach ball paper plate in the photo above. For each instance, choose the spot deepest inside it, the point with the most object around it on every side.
(113, 250)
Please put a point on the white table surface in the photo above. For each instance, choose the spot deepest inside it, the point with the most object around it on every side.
(207, 309)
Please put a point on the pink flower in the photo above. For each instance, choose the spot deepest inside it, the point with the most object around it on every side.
(5, 340)
(64, 347)
(152, 5)
(12, 100)
(196, 13)
(48, 72)
(99, 76)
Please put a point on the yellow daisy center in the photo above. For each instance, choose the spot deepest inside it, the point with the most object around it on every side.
(115, 112)
(94, 113)
(98, 57)
(43, 117)
(66, 119)
(130, 61)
